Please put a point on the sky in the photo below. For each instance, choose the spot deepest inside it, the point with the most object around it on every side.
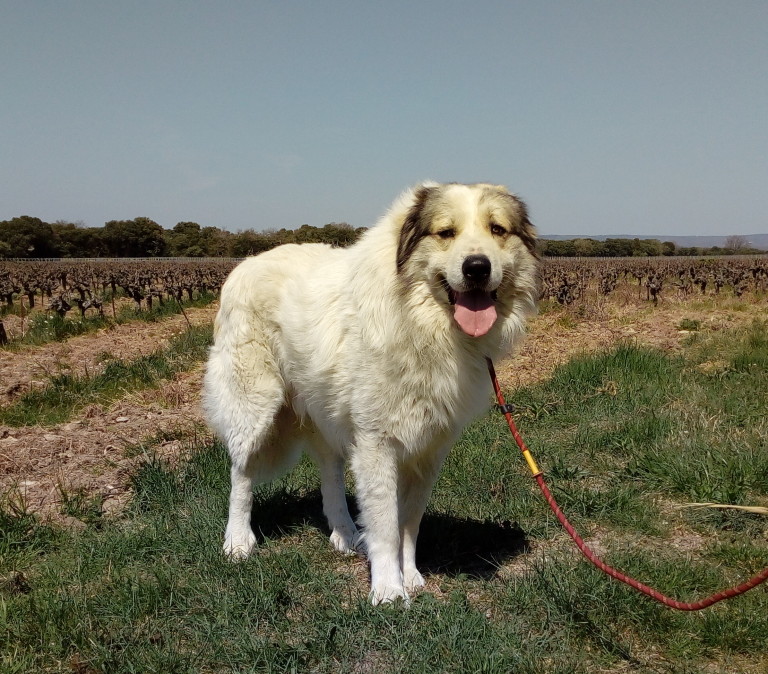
(647, 117)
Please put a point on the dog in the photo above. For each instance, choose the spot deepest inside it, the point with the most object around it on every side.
(373, 355)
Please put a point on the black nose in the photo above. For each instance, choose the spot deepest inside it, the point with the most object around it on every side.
(476, 269)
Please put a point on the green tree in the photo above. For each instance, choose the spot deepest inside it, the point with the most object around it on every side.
(140, 237)
(26, 236)
(185, 240)
(618, 248)
(646, 247)
(340, 234)
(74, 240)
(306, 234)
(216, 242)
(668, 248)
(249, 242)
(557, 248)
(586, 247)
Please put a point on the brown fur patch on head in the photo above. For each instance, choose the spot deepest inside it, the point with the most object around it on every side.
(415, 227)
(525, 230)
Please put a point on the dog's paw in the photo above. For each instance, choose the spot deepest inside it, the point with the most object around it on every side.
(346, 541)
(239, 546)
(413, 581)
(388, 594)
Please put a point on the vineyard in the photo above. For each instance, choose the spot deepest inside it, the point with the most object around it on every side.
(60, 286)
(567, 280)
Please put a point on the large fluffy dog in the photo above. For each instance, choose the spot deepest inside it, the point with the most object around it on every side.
(373, 354)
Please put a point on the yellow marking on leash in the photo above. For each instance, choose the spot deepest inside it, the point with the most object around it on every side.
(531, 462)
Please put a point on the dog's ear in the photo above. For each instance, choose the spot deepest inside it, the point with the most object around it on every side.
(525, 230)
(415, 227)
(528, 235)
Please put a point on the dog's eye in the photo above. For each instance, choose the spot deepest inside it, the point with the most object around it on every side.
(497, 230)
(446, 233)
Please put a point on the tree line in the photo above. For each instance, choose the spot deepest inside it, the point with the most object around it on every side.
(29, 237)
(734, 245)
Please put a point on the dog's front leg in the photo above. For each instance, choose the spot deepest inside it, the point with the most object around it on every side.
(375, 465)
(414, 492)
(417, 478)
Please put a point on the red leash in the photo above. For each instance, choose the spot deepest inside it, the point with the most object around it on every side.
(591, 556)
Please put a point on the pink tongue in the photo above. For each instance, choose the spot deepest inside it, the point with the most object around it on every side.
(474, 312)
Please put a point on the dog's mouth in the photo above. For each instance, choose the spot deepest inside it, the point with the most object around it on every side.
(473, 310)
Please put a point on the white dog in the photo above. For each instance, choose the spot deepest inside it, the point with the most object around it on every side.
(373, 354)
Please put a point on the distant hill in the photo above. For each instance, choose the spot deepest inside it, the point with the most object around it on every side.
(759, 241)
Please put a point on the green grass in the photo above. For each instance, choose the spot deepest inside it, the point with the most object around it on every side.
(66, 394)
(622, 436)
(170, 307)
(691, 324)
(43, 328)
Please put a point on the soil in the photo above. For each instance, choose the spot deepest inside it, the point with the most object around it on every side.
(86, 354)
(556, 337)
(91, 458)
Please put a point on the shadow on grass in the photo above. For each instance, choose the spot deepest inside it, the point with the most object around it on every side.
(448, 545)
(459, 546)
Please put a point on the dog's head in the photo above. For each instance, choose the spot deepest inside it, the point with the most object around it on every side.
(469, 243)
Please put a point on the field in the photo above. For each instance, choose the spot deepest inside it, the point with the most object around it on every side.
(641, 389)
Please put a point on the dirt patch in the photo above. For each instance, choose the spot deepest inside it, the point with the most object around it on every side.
(92, 457)
(558, 336)
(86, 354)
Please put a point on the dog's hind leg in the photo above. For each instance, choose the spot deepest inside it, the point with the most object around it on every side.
(344, 535)
(239, 539)
(273, 451)
(245, 404)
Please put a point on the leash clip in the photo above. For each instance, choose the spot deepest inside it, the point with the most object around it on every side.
(506, 408)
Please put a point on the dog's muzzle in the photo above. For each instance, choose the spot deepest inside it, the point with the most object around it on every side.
(474, 309)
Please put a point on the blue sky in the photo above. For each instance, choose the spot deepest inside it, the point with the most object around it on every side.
(646, 117)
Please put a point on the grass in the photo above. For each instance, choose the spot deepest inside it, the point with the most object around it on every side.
(690, 324)
(66, 394)
(45, 327)
(623, 436)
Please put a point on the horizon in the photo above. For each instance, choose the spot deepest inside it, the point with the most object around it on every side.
(756, 241)
(540, 235)
(658, 237)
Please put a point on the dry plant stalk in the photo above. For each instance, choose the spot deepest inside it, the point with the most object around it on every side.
(759, 510)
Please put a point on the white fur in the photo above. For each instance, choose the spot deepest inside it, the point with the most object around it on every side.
(339, 353)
